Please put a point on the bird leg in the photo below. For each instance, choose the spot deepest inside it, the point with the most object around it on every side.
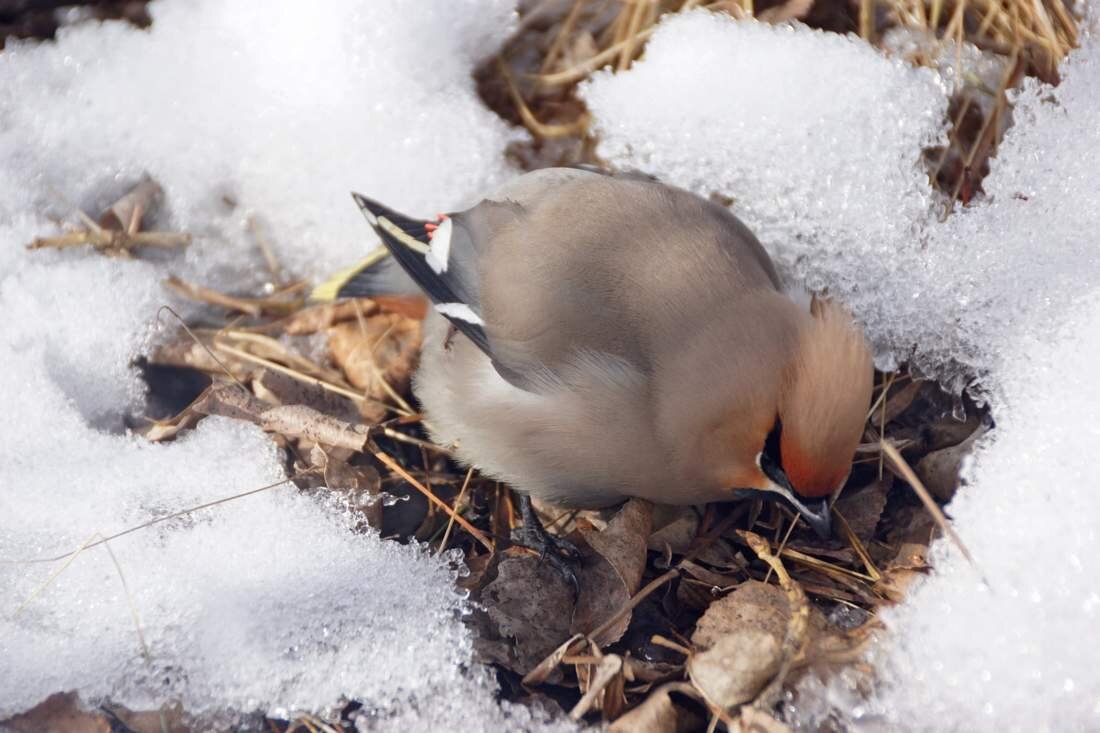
(562, 554)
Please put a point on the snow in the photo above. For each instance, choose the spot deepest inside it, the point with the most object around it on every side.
(268, 602)
(1021, 653)
(813, 135)
(817, 140)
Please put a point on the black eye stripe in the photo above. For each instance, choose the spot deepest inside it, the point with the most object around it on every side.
(771, 458)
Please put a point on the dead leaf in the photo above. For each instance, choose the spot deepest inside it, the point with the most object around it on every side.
(295, 421)
(317, 318)
(740, 643)
(658, 713)
(58, 713)
(673, 529)
(737, 667)
(939, 470)
(127, 213)
(910, 565)
(529, 604)
(751, 605)
(359, 486)
(862, 507)
(608, 671)
(381, 348)
(613, 574)
(280, 389)
(897, 403)
(754, 720)
(547, 668)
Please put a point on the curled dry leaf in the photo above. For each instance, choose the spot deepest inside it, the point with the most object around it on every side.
(611, 576)
(741, 643)
(127, 213)
(182, 351)
(529, 604)
(359, 486)
(910, 565)
(377, 349)
(897, 403)
(737, 667)
(658, 713)
(607, 672)
(294, 421)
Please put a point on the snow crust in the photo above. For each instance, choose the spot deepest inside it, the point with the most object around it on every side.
(269, 602)
(815, 137)
(817, 140)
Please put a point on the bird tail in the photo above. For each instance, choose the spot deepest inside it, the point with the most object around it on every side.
(379, 273)
(376, 274)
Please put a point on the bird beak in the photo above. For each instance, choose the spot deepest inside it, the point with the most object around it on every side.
(816, 515)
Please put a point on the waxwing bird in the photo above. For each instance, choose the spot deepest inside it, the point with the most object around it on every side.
(596, 338)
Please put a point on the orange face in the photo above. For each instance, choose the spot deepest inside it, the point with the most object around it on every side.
(814, 477)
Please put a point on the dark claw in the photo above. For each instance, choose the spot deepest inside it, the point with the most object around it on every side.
(560, 553)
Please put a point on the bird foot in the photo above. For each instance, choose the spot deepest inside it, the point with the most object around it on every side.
(558, 552)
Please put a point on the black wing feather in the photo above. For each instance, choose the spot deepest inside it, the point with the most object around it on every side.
(437, 286)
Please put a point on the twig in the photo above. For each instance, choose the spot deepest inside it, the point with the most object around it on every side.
(458, 500)
(901, 466)
(397, 468)
(183, 512)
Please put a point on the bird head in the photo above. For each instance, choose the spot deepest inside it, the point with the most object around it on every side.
(823, 400)
(781, 419)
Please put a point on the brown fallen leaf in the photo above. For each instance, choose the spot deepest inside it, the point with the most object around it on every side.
(63, 712)
(740, 643)
(359, 486)
(529, 604)
(862, 507)
(280, 389)
(127, 213)
(897, 403)
(658, 713)
(613, 573)
(911, 565)
(317, 318)
(674, 528)
(939, 470)
(737, 667)
(295, 421)
(603, 688)
(377, 355)
(161, 430)
(754, 720)
(58, 713)
(752, 604)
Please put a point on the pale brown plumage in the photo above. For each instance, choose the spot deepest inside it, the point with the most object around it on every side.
(633, 341)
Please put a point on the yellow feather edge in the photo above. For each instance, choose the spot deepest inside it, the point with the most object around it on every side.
(329, 289)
